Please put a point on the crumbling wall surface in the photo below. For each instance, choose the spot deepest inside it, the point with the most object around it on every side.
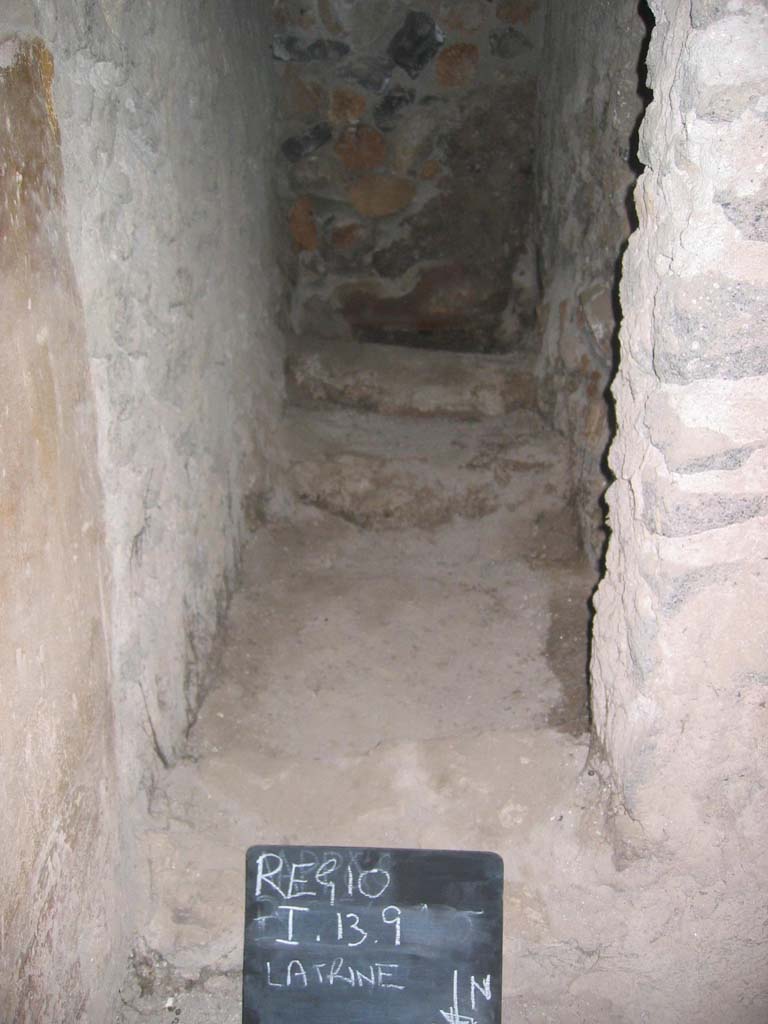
(60, 903)
(588, 106)
(406, 169)
(164, 112)
(165, 115)
(680, 665)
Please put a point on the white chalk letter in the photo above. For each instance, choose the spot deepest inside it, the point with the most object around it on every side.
(325, 869)
(293, 893)
(384, 972)
(373, 888)
(267, 876)
(272, 984)
(394, 918)
(335, 972)
(300, 973)
(484, 989)
(290, 941)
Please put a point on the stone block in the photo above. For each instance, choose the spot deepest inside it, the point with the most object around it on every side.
(371, 73)
(293, 14)
(347, 236)
(297, 147)
(381, 195)
(293, 48)
(347, 106)
(303, 225)
(414, 139)
(416, 43)
(387, 113)
(749, 214)
(463, 15)
(514, 12)
(329, 18)
(509, 44)
(303, 98)
(708, 327)
(457, 65)
(361, 148)
(672, 512)
(347, 244)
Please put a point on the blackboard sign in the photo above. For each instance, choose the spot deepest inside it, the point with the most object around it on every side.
(371, 936)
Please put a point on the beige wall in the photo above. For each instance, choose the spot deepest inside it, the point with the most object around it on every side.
(140, 390)
(59, 883)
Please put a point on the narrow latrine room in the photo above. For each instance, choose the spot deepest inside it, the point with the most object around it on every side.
(383, 464)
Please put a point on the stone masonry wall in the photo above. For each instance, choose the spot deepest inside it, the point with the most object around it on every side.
(589, 105)
(165, 115)
(406, 169)
(680, 666)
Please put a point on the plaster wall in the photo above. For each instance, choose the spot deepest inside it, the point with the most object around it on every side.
(680, 661)
(138, 425)
(59, 860)
(590, 98)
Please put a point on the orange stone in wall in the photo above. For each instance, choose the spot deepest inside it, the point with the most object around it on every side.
(380, 195)
(346, 236)
(514, 11)
(361, 148)
(346, 106)
(303, 225)
(457, 65)
(463, 16)
(302, 97)
(329, 19)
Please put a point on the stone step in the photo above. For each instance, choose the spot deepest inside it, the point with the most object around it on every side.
(409, 381)
(387, 471)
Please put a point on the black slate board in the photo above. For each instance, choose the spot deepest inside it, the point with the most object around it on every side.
(372, 936)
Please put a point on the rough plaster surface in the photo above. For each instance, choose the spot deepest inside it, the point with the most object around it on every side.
(589, 105)
(59, 875)
(164, 112)
(165, 132)
(680, 654)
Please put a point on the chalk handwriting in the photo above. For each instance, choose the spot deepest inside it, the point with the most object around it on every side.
(293, 880)
(299, 974)
(453, 1015)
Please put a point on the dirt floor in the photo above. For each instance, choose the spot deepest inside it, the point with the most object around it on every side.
(395, 674)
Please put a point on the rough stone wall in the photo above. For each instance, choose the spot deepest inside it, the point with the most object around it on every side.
(406, 169)
(164, 113)
(59, 878)
(680, 666)
(589, 105)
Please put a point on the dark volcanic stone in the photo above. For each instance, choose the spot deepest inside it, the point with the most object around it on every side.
(416, 43)
(372, 73)
(292, 48)
(299, 146)
(385, 113)
(327, 49)
(508, 44)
